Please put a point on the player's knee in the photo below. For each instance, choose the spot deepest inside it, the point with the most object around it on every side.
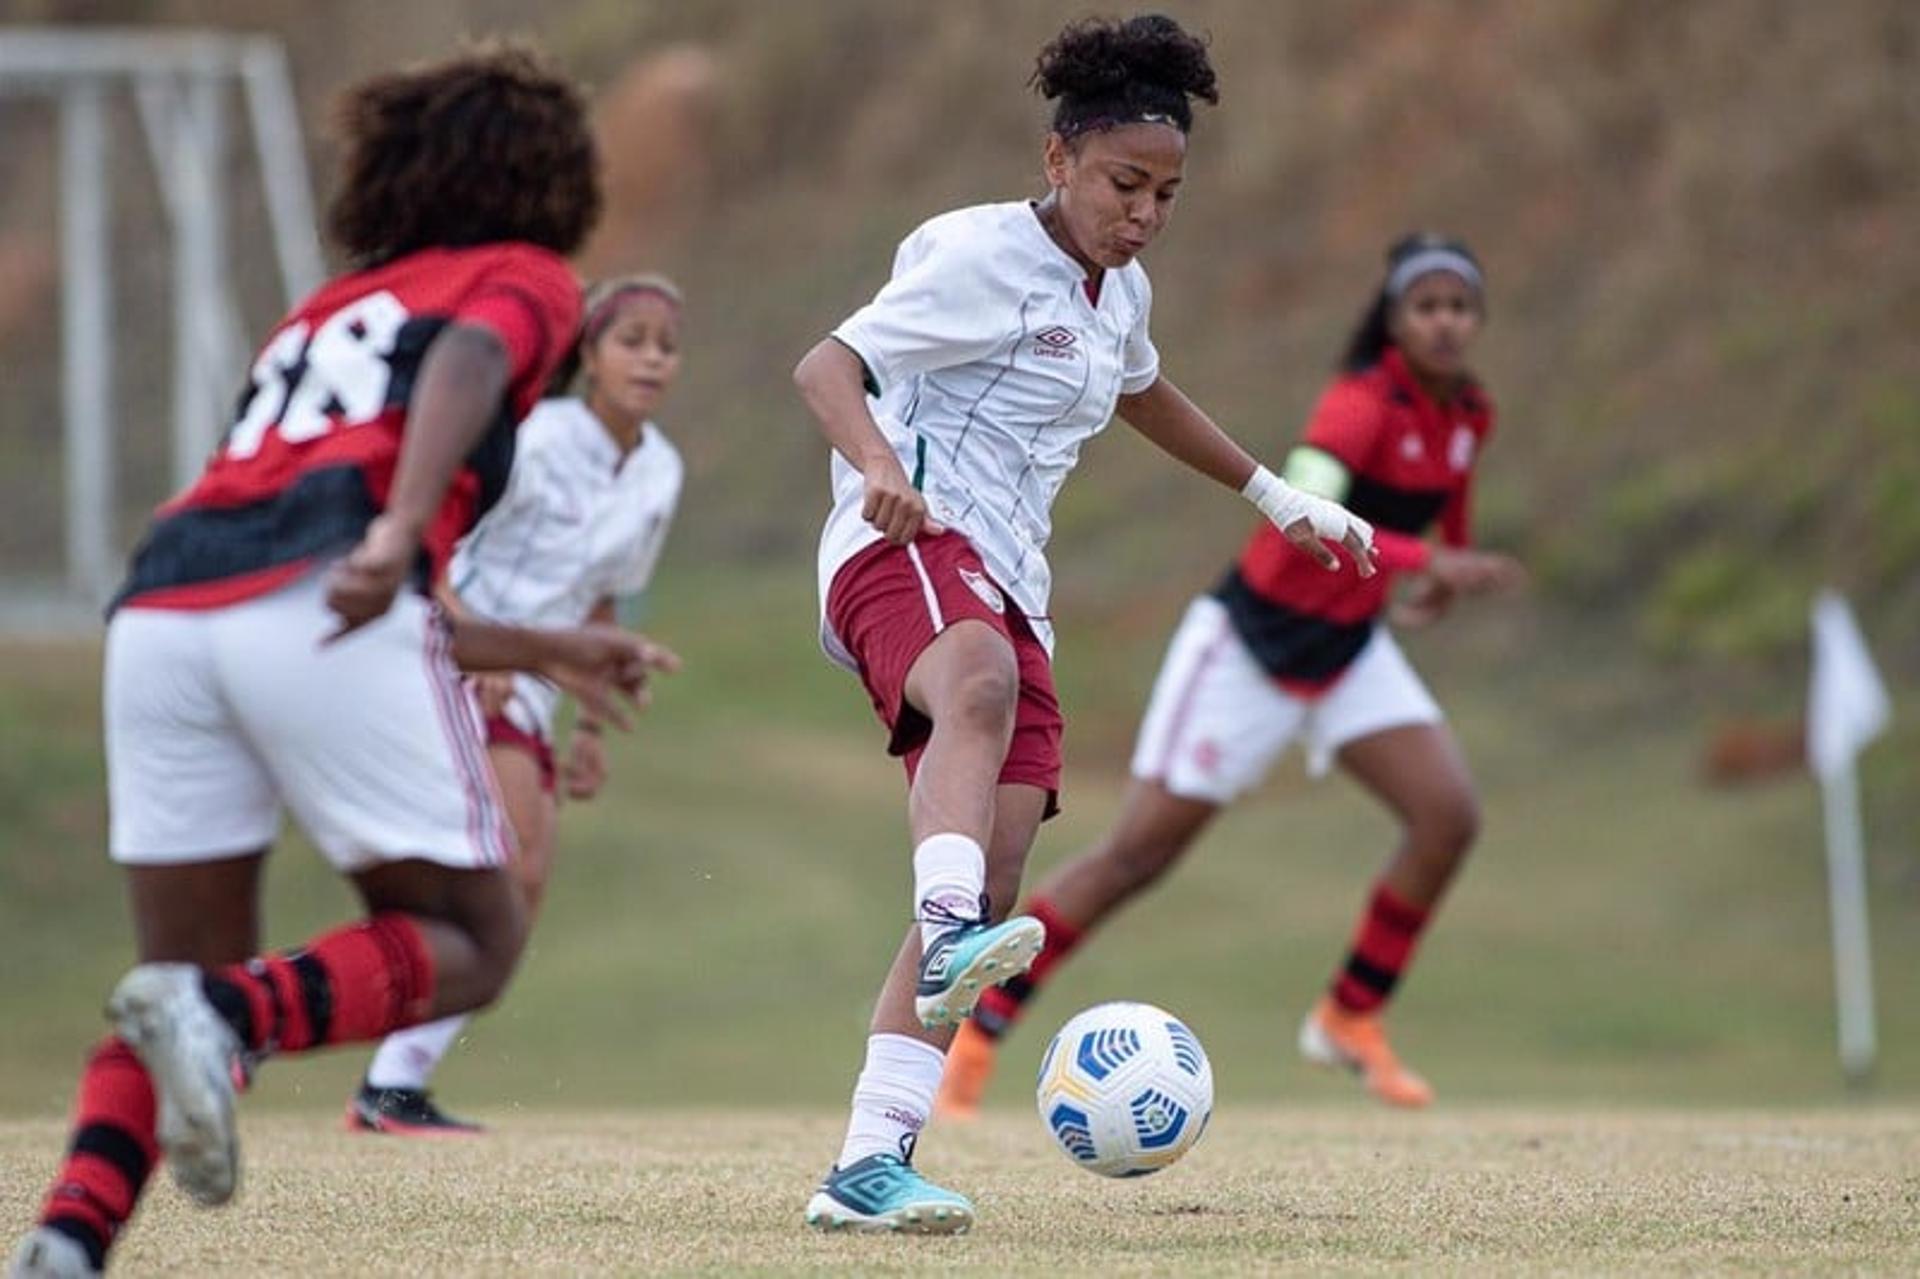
(530, 874)
(1449, 824)
(983, 699)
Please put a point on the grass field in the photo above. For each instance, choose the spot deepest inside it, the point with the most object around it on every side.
(1269, 1191)
(1626, 1006)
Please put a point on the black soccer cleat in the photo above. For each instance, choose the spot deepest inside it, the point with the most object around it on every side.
(404, 1112)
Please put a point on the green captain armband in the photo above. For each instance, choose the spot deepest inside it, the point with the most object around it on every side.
(1318, 472)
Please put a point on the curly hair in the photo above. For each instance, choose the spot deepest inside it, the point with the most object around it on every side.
(489, 145)
(1104, 73)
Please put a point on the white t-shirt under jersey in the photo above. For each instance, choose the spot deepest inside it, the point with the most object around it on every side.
(579, 522)
(994, 367)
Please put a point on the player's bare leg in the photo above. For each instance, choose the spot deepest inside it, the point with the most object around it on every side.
(393, 1097)
(967, 684)
(1417, 770)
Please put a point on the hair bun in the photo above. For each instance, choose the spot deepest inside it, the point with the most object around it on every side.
(1102, 58)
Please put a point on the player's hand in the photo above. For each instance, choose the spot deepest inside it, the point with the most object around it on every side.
(362, 585)
(1426, 601)
(494, 689)
(1475, 572)
(1318, 535)
(586, 769)
(892, 505)
(606, 669)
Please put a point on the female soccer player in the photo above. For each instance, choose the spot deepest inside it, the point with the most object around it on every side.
(1005, 339)
(1281, 652)
(264, 652)
(585, 514)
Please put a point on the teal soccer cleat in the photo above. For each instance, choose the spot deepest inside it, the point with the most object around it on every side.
(883, 1192)
(966, 959)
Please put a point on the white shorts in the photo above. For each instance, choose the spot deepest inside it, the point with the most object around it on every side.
(1218, 720)
(217, 718)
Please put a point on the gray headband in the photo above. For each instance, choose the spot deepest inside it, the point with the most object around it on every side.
(1426, 262)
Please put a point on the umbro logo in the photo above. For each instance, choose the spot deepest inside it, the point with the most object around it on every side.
(1055, 342)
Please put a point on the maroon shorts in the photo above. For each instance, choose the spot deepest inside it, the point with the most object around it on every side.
(889, 602)
(502, 731)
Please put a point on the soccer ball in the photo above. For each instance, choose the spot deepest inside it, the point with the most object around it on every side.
(1125, 1089)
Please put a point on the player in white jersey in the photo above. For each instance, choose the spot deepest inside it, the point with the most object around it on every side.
(956, 402)
(585, 514)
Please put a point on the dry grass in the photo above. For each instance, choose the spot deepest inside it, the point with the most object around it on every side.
(1269, 1191)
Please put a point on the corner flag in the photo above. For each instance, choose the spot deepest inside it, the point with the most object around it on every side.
(1847, 707)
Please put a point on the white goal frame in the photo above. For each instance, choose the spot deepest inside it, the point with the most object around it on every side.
(182, 82)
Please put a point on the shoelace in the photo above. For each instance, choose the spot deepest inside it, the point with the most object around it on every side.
(938, 912)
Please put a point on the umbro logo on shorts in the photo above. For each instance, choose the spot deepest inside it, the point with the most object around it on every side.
(989, 593)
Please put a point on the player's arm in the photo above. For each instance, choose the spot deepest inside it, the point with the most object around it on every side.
(1175, 424)
(603, 614)
(833, 383)
(462, 378)
(585, 770)
(601, 666)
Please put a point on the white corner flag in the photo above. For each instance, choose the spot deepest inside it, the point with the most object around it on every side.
(1847, 707)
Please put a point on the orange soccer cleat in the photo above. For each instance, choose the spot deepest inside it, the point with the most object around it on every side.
(969, 1067)
(1333, 1036)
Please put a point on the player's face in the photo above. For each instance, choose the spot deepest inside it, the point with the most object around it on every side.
(633, 363)
(1435, 322)
(1115, 188)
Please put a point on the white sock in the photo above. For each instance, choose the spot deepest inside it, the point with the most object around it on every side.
(949, 871)
(407, 1057)
(892, 1098)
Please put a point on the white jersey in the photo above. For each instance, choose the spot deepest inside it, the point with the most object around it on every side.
(578, 523)
(993, 367)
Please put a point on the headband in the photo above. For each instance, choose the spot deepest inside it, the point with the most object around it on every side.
(1426, 262)
(607, 307)
(1113, 120)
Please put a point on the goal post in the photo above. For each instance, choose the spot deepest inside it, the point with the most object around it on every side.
(182, 85)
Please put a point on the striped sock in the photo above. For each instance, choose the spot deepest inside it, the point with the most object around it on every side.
(1000, 1007)
(1382, 948)
(112, 1152)
(353, 984)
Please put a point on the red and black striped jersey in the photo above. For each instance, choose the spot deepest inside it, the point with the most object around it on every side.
(310, 456)
(1411, 461)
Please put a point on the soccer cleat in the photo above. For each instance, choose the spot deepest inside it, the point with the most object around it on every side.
(404, 1112)
(162, 1013)
(966, 959)
(1333, 1036)
(969, 1067)
(883, 1192)
(48, 1254)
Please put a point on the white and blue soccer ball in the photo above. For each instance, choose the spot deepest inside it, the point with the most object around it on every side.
(1125, 1089)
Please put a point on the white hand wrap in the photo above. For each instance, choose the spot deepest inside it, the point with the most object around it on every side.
(1284, 504)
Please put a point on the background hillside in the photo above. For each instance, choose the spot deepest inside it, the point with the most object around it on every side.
(1698, 222)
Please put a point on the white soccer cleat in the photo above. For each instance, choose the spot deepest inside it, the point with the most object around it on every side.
(48, 1254)
(161, 1010)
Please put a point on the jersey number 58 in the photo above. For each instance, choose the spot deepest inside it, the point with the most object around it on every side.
(305, 387)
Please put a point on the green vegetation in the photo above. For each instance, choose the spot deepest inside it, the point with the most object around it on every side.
(1622, 935)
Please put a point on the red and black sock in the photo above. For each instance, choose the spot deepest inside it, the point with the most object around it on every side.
(112, 1152)
(1000, 1007)
(351, 985)
(1382, 947)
